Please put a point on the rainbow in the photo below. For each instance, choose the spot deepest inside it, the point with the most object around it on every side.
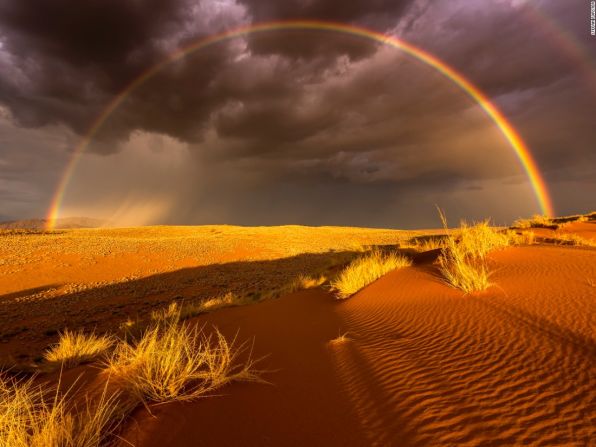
(515, 141)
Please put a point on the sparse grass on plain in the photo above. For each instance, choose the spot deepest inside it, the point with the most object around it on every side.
(366, 269)
(74, 348)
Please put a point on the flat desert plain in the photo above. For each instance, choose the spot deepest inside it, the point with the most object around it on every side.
(408, 360)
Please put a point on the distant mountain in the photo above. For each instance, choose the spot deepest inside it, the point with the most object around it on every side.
(63, 223)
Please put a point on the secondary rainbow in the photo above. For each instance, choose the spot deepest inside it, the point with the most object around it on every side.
(517, 144)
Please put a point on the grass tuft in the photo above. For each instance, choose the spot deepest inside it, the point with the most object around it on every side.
(536, 221)
(425, 243)
(462, 271)
(573, 239)
(174, 361)
(364, 270)
(340, 339)
(74, 348)
(309, 282)
(33, 417)
(477, 240)
(463, 261)
(520, 238)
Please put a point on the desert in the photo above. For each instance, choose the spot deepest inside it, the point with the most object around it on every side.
(323, 223)
(404, 357)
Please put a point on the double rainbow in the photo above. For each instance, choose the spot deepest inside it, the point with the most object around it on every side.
(517, 144)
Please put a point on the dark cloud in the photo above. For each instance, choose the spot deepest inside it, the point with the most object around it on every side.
(379, 15)
(93, 32)
(305, 109)
(384, 11)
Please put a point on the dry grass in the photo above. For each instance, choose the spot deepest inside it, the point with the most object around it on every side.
(310, 282)
(340, 339)
(463, 261)
(74, 348)
(525, 237)
(364, 270)
(463, 271)
(175, 312)
(478, 240)
(573, 239)
(176, 361)
(554, 223)
(422, 244)
(33, 417)
(536, 221)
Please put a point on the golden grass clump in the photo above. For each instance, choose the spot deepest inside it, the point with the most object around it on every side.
(309, 282)
(478, 240)
(364, 270)
(536, 221)
(463, 261)
(176, 361)
(463, 271)
(74, 348)
(33, 417)
(522, 238)
(225, 300)
(425, 243)
(574, 239)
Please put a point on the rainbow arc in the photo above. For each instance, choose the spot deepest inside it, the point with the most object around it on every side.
(514, 140)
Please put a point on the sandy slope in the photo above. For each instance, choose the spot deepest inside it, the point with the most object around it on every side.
(100, 278)
(425, 365)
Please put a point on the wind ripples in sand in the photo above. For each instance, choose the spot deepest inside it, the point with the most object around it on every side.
(513, 366)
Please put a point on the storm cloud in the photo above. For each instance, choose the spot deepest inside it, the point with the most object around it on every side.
(295, 126)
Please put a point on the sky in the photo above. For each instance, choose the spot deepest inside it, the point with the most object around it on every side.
(294, 126)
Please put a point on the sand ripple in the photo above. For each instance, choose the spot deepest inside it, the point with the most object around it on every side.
(513, 366)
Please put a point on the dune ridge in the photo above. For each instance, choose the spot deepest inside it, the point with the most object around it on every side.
(421, 364)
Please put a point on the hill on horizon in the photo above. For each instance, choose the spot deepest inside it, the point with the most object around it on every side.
(62, 223)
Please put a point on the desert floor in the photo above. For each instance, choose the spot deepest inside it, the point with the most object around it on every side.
(421, 364)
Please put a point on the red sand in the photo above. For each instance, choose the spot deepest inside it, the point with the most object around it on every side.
(424, 366)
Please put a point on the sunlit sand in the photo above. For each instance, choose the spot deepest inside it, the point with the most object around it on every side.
(157, 316)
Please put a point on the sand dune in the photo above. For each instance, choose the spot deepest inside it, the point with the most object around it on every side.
(424, 365)
(420, 363)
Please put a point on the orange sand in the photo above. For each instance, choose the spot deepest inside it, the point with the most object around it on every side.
(424, 366)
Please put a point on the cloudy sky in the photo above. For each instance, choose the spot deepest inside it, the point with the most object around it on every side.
(306, 127)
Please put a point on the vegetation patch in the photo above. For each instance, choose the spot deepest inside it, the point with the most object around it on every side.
(74, 348)
(177, 361)
(31, 416)
(366, 269)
